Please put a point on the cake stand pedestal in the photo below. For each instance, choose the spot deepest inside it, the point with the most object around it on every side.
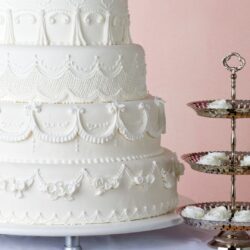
(72, 243)
(165, 221)
(72, 233)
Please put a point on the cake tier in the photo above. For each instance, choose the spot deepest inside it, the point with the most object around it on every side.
(98, 193)
(72, 74)
(64, 22)
(81, 134)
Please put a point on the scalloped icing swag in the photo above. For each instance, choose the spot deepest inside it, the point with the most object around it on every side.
(79, 128)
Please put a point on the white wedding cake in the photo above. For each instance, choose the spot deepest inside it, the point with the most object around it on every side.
(79, 133)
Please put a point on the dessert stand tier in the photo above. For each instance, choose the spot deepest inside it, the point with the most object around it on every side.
(233, 235)
(230, 166)
(238, 109)
(218, 225)
(72, 233)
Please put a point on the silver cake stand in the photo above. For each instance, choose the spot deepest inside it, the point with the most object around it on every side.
(233, 235)
(72, 233)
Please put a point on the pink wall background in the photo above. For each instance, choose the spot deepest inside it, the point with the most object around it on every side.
(185, 41)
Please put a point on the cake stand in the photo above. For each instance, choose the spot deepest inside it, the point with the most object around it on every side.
(233, 235)
(72, 233)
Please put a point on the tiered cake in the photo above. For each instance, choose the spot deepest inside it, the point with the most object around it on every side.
(79, 134)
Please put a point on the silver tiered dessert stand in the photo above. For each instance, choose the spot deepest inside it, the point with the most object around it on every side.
(233, 235)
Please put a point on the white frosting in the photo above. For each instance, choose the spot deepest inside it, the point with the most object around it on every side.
(245, 161)
(242, 216)
(220, 104)
(79, 134)
(78, 195)
(213, 159)
(218, 214)
(96, 160)
(72, 74)
(64, 22)
(193, 212)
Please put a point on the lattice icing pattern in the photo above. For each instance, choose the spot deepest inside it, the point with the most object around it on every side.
(75, 75)
(64, 22)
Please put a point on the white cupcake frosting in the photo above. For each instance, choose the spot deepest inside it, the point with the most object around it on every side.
(245, 161)
(193, 212)
(220, 104)
(214, 159)
(242, 216)
(218, 214)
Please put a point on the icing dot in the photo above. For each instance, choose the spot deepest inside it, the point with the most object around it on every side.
(66, 20)
(82, 110)
(52, 20)
(87, 20)
(17, 20)
(100, 19)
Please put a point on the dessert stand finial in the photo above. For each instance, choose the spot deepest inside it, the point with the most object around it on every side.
(223, 216)
(234, 69)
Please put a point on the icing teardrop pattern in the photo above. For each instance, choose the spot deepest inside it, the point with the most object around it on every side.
(54, 22)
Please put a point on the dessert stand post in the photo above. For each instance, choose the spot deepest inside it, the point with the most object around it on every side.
(233, 235)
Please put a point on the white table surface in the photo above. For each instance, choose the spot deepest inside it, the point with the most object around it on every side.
(175, 238)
